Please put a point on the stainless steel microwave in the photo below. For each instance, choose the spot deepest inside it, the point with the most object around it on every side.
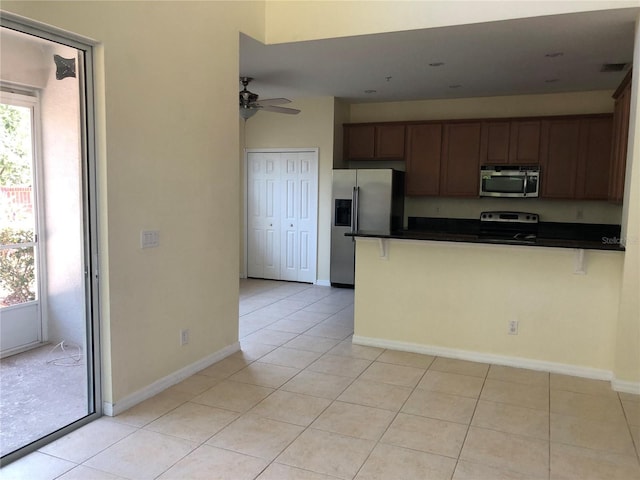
(509, 181)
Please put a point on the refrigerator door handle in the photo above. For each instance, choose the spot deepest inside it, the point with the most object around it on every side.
(356, 210)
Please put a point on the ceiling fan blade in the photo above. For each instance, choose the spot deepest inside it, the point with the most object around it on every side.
(289, 111)
(273, 101)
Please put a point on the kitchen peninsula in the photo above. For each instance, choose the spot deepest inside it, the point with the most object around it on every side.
(457, 297)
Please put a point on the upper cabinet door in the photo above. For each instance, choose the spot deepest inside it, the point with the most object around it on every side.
(592, 181)
(359, 141)
(374, 141)
(620, 135)
(424, 147)
(389, 141)
(524, 147)
(560, 152)
(494, 147)
(515, 142)
(460, 165)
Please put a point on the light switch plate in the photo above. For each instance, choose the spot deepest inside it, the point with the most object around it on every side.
(149, 238)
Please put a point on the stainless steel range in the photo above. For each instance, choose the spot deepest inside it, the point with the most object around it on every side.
(511, 227)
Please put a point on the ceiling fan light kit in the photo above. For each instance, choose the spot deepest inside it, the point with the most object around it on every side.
(249, 103)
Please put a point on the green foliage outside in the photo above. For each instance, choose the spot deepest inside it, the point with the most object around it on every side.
(15, 161)
(17, 265)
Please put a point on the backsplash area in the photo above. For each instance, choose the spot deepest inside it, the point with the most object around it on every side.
(548, 210)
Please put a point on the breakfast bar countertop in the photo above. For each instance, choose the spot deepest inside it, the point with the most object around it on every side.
(562, 235)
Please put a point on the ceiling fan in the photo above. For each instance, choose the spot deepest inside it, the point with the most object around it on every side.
(250, 105)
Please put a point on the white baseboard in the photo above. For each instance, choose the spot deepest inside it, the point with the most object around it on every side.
(517, 362)
(625, 386)
(323, 283)
(113, 409)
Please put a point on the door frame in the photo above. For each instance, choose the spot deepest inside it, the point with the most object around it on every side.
(245, 193)
(90, 217)
(30, 98)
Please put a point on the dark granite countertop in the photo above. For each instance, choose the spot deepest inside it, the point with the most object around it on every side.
(550, 234)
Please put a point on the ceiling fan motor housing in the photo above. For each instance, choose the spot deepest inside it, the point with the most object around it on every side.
(247, 98)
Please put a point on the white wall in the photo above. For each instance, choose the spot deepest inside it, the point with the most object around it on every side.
(17, 52)
(63, 235)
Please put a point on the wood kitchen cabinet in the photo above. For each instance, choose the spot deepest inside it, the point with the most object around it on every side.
(510, 142)
(524, 142)
(494, 146)
(560, 146)
(424, 148)
(374, 141)
(575, 157)
(460, 160)
(619, 140)
(594, 162)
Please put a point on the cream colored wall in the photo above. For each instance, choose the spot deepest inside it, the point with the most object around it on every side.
(628, 333)
(292, 21)
(168, 136)
(573, 103)
(462, 296)
(312, 127)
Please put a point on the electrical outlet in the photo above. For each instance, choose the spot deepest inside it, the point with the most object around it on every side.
(579, 213)
(513, 327)
(184, 336)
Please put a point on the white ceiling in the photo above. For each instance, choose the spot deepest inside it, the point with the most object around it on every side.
(488, 59)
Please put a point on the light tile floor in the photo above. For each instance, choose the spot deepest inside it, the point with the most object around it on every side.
(301, 402)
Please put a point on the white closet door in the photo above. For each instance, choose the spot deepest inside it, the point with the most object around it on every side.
(307, 201)
(282, 213)
(263, 215)
(289, 246)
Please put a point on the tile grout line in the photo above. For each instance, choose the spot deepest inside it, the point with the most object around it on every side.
(307, 427)
(473, 414)
(633, 440)
(396, 413)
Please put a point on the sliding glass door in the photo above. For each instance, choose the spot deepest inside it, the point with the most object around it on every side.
(49, 379)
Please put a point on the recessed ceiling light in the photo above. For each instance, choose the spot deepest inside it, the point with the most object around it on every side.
(370, 91)
(554, 54)
(455, 86)
(436, 64)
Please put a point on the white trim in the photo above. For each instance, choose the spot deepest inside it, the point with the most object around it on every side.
(113, 409)
(22, 348)
(323, 283)
(517, 362)
(625, 386)
(29, 98)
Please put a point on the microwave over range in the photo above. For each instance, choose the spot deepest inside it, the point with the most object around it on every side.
(509, 181)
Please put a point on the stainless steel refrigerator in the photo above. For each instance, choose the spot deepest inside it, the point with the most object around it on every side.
(365, 201)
